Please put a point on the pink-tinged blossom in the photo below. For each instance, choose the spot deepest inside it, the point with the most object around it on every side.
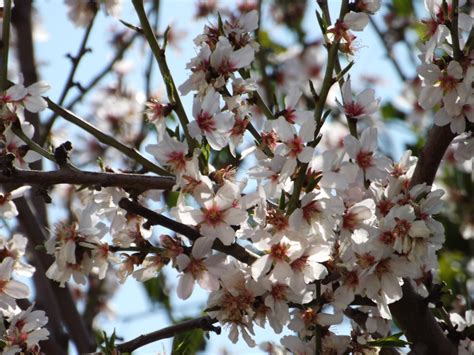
(10, 290)
(308, 267)
(384, 285)
(440, 84)
(217, 214)
(225, 61)
(25, 331)
(271, 175)
(276, 299)
(199, 267)
(82, 13)
(304, 320)
(199, 66)
(77, 248)
(369, 6)
(456, 115)
(280, 253)
(335, 174)
(364, 104)
(437, 30)
(317, 215)
(28, 97)
(210, 122)
(406, 227)
(290, 113)
(15, 248)
(7, 206)
(234, 303)
(295, 145)
(362, 152)
(242, 24)
(156, 113)
(15, 145)
(170, 152)
(357, 216)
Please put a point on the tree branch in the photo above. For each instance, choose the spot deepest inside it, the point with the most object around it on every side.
(412, 312)
(5, 43)
(106, 139)
(70, 79)
(159, 53)
(204, 323)
(62, 296)
(153, 218)
(73, 177)
(87, 88)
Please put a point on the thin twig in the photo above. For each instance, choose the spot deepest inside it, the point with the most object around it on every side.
(5, 44)
(205, 323)
(106, 139)
(87, 88)
(153, 218)
(70, 79)
(159, 53)
(328, 81)
(388, 50)
(148, 78)
(89, 178)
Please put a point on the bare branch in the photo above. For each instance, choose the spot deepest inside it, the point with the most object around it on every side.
(73, 177)
(70, 79)
(159, 53)
(204, 323)
(106, 139)
(153, 218)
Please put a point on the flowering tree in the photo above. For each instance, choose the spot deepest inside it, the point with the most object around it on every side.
(272, 189)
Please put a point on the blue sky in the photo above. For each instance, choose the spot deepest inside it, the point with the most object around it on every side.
(64, 38)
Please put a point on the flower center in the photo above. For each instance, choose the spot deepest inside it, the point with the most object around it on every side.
(353, 109)
(402, 227)
(278, 251)
(205, 122)
(296, 146)
(213, 216)
(364, 159)
(177, 160)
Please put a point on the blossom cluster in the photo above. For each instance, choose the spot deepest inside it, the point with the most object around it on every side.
(328, 225)
(359, 229)
(24, 329)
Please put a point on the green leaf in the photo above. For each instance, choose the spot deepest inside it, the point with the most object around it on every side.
(189, 342)
(266, 42)
(390, 341)
(403, 7)
(282, 203)
(157, 292)
(171, 198)
(389, 112)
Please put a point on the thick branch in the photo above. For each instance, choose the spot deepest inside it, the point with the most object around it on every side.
(5, 43)
(22, 21)
(153, 218)
(72, 177)
(62, 296)
(204, 323)
(412, 312)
